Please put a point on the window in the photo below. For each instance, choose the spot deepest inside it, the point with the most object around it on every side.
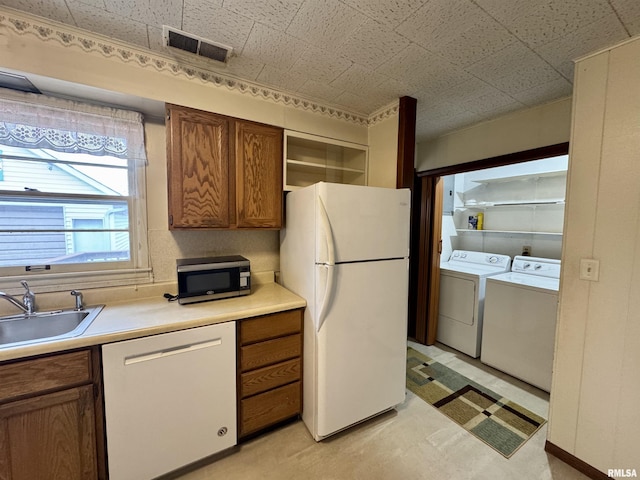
(71, 194)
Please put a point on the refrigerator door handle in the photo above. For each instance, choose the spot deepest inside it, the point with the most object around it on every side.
(328, 233)
(326, 299)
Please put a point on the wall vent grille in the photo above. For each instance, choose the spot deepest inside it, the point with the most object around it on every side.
(190, 43)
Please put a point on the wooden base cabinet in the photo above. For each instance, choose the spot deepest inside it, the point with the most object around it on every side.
(49, 427)
(269, 370)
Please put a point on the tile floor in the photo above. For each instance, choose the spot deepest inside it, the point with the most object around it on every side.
(415, 442)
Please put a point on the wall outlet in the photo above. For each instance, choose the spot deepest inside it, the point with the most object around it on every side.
(526, 250)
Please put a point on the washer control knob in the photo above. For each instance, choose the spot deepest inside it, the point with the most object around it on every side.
(537, 266)
(493, 259)
(526, 265)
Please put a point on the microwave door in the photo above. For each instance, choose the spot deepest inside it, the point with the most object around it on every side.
(208, 285)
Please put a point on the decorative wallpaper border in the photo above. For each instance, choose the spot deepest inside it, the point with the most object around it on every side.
(45, 30)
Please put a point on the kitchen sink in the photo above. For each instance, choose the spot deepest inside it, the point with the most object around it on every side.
(24, 329)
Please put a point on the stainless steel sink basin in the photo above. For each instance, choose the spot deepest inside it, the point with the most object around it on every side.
(45, 326)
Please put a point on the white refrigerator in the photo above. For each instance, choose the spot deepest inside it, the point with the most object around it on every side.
(345, 249)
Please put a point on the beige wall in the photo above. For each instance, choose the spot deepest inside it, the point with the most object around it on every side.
(383, 152)
(527, 129)
(596, 392)
(24, 51)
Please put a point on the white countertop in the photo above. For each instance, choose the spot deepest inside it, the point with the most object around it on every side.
(154, 315)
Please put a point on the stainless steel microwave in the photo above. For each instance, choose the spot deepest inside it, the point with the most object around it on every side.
(212, 278)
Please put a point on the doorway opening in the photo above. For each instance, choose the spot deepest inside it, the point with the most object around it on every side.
(441, 222)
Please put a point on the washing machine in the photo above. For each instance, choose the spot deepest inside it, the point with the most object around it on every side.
(520, 313)
(462, 286)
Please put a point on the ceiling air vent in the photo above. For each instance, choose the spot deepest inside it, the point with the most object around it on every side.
(193, 44)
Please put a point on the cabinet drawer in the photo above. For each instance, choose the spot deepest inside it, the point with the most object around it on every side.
(270, 326)
(266, 378)
(272, 351)
(42, 374)
(268, 408)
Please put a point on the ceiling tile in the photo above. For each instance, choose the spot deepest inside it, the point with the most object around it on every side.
(539, 22)
(437, 119)
(319, 91)
(371, 44)
(545, 92)
(629, 11)
(441, 21)
(158, 12)
(272, 47)
(423, 70)
(356, 103)
(216, 24)
(156, 42)
(242, 67)
(514, 69)
(93, 3)
(476, 43)
(390, 90)
(320, 64)
(358, 80)
(325, 24)
(109, 24)
(53, 9)
(561, 52)
(388, 12)
(276, 77)
(274, 13)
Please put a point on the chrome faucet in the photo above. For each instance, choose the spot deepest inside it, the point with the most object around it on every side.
(28, 304)
(78, 295)
(29, 298)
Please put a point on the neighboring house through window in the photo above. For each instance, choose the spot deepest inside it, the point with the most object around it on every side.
(72, 208)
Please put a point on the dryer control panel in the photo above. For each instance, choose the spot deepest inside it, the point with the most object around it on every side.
(542, 267)
(482, 258)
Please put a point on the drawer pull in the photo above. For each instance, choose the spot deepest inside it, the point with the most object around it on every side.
(145, 357)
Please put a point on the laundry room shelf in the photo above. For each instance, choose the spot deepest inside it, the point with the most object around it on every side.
(528, 176)
(515, 203)
(514, 232)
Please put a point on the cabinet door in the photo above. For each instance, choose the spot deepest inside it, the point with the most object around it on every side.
(258, 150)
(198, 169)
(49, 437)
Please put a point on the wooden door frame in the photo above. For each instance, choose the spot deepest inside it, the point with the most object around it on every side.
(427, 234)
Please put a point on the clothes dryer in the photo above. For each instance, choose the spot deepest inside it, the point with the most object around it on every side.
(462, 286)
(520, 315)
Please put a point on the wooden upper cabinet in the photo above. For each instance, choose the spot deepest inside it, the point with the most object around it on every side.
(198, 169)
(259, 175)
(222, 172)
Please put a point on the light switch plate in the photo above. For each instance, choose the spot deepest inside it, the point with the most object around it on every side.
(589, 269)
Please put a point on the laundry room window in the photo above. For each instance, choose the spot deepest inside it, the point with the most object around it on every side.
(72, 207)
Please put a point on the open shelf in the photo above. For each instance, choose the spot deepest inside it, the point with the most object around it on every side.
(310, 159)
(296, 164)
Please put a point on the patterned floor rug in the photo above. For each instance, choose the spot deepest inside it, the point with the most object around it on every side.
(497, 421)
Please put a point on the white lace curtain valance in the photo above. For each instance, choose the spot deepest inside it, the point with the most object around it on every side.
(36, 121)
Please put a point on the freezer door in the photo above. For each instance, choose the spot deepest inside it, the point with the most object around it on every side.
(356, 223)
(361, 345)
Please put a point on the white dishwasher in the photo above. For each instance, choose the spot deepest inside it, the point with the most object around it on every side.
(170, 400)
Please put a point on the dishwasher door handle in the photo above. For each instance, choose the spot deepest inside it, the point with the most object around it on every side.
(145, 357)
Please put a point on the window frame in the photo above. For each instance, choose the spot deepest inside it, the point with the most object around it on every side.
(64, 276)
